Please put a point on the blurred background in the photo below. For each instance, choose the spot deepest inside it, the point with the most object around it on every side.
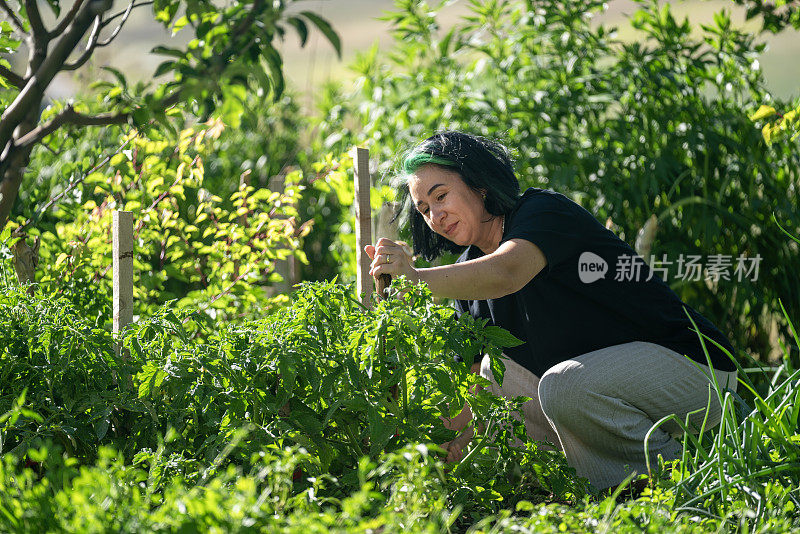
(359, 26)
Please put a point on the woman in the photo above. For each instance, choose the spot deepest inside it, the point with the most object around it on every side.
(603, 355)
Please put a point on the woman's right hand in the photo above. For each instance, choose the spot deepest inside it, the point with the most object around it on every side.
(392, 258)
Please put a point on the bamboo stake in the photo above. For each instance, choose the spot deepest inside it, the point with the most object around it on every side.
(363, 224)
(123, 271)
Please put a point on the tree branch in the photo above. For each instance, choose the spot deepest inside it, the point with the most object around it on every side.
(12, 77)
(90, 46)
(118, 14)
(31, 95)
(13, 17)
(62, 25)
(125, 15)
(68, 116)
(40, 34)
(172, 99)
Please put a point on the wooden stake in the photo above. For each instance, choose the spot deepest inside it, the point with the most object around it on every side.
(363, 225)
(123, 270)
(287, 268)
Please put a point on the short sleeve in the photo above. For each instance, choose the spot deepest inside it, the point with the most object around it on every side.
(552, 223)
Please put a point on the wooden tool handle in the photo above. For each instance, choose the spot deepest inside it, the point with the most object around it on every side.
(382, 284)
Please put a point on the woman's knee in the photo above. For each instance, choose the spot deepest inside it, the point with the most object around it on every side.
(560, 392)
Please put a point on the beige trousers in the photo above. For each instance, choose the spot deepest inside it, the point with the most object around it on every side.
(598, 407)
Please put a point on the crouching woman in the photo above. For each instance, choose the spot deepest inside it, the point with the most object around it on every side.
(604, 338)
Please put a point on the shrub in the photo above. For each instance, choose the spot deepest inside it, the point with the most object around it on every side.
(652, 129)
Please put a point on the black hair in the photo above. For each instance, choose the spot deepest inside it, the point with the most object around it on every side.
(483, 164)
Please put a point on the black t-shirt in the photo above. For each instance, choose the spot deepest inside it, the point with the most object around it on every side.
(575, 305)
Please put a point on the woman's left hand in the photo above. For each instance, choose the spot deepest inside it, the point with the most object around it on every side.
(392, 258)
(455, 449)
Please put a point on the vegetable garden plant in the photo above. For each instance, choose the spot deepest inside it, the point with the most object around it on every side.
(311, 385)
(289, 422)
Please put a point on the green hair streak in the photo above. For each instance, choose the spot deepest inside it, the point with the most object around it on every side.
(415, 160)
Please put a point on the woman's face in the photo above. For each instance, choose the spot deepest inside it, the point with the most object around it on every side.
(450, 207)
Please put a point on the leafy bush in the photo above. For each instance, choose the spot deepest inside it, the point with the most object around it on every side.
(113, 497)
(330, 202)
(188, 397)
(264, 144)
(754, 455)
(652, 129)
(190, 244)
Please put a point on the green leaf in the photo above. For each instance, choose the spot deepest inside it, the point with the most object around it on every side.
(301, 27)
(498, 370)
(444, 44)
(275, 64)
(288, 373)
(167, 51)
(151, 378)
(380, 431)
(118, 75)
(784, 230)
(762, 113)
(179, 24)
(501, 337)
(164, 68)
(101, 426)
(55, 6)
(326, 29)
(165, 11)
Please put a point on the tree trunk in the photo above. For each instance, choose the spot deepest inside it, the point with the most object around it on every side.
(9, 187)
(14, 164)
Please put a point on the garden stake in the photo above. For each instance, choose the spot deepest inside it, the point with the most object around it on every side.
(363, 225)
(122, 230)
(363, 238)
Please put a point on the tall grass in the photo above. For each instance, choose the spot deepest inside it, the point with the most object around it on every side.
(746, 473)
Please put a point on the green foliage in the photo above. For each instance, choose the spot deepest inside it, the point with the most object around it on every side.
(263, 148)
(187, 399)
(655, 128)
(113, 497)
(313, 418)
(331, 244)
(228, 56)
(57, 167)
(232, 53)
(776, 16)
(310, 419)
(755, 446)
(191, 245)
(65, 364)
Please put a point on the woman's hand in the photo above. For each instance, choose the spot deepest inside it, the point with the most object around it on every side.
(392, 258)
(455, 448)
